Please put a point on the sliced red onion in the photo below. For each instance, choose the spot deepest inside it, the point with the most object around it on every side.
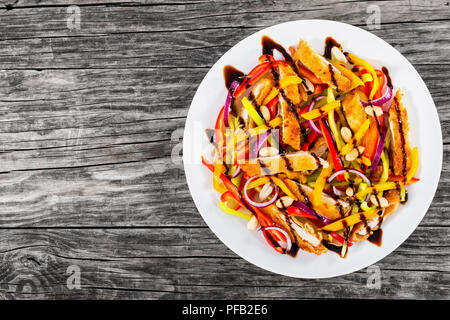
(311, 123)
(261, 140)
(288, 244)
(379, 151)
(237, 172)
(311, 212)
(258, 204)
(338, 192)
(226, 111)
(387, 95)
(359, 173)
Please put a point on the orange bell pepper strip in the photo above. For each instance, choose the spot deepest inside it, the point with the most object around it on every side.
(370, 140)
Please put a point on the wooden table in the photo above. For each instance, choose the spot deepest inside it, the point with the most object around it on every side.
(86, 123)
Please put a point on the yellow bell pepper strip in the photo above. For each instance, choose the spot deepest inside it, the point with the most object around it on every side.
(351, 220)
(272, 94)
(368, 67)
(233, 212)
(366, 77)
(280, 183)
(258, 182)
(414, 164)
(252, 112)
(316, 113)
(332, 122)
(376, 188)
(218, 170)
(356, 138)
(365, 207)
(356, 81)
(320, 183)
(263, 128)
(366, 161)
(385, 163)
(237, 180)
(289, 80)
(402, 193)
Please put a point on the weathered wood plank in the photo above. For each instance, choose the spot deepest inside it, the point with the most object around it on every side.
(164, 263)
(86, 119)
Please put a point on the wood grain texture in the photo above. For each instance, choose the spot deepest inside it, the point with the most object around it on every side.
(86, 133)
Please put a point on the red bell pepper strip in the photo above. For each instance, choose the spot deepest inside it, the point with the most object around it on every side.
(381, 80)
(295, 211)
(269, 236)
(234, 192)
(272, 106)
(219, 132)
(227, 183)
(311, 138)
(332, 147)
(340, 238)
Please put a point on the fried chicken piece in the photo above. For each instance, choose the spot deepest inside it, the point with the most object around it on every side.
(321, 67)
(401, 145)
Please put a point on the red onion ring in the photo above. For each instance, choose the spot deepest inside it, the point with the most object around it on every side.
(311, 212)
(257, 204)
(288, 242)
(311, 123)
(386, 96)
(261, 139)
(359, 173)
(237, 172)
(226, 111)
(338, 192)
(379, 151)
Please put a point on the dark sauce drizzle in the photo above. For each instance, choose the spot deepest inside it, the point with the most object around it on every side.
(268, 45)
(287, 162)
(376, 237)
(231, 74)
(389, 81)
(333, 78)
(329, 44)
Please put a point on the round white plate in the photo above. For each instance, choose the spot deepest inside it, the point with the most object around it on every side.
(425, 133)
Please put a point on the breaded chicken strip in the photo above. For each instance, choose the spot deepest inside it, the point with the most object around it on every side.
(401, 146)
(321, 67)
(289, 100)
(354, 111)
(291, 162)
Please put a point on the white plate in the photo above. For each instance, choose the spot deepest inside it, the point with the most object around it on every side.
(425, 133)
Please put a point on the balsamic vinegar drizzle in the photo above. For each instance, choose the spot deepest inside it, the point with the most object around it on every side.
(268, 45)
(376, 237)
(329, 44)
(386, 73)
(231, 74)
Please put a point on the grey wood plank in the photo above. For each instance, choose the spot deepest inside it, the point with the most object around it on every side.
(86, 119)
(164, 263)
